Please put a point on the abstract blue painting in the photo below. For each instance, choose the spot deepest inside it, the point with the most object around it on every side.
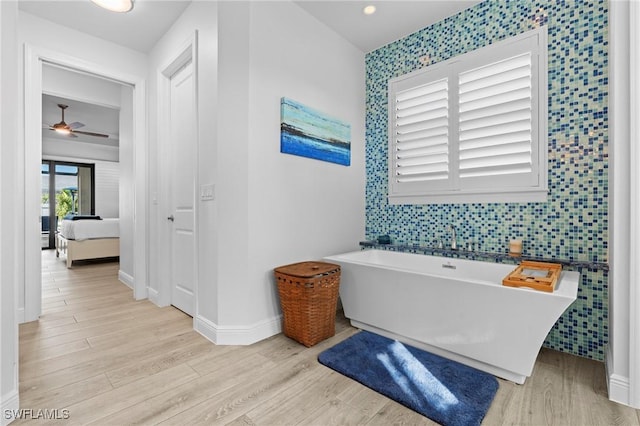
(310, 133)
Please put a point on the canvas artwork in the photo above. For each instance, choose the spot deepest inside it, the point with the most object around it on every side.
(310, 133)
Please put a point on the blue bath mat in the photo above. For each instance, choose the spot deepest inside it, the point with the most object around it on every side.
(443, 390)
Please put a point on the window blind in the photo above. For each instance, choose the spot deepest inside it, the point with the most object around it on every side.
(107, 176)
(495, 118)
(421, 134)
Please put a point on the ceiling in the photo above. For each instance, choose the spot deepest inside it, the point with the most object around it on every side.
(393, 20)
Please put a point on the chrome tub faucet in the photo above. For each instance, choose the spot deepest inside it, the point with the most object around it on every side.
(454, 244)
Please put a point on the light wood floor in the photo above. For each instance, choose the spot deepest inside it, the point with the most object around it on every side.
(108, 359)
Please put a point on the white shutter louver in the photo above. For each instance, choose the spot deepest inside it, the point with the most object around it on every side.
(421, 133)
(495, 118)
(107, 177)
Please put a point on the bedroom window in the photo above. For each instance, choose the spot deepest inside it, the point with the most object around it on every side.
(472, 128)
(67, 188)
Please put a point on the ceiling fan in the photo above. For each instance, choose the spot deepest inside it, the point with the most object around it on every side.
(70, 129)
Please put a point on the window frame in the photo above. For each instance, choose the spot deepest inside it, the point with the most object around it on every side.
(487, 189)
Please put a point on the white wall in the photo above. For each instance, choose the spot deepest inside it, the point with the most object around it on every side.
(9, 135)
(74, 151)
(273, 208)
(46, 34)
(247, 60)
(232, 163)
(299, 208)
(80, 87)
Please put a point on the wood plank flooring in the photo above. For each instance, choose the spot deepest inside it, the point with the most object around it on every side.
(110, 360)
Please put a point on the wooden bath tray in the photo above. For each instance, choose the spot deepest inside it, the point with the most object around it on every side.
(541, 276)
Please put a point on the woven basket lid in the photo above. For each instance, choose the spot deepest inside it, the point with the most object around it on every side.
(307, 269)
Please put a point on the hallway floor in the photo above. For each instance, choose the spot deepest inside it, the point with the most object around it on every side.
(108, 359)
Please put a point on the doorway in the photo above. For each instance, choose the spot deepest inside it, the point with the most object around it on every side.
(67, 189)
(30, 295)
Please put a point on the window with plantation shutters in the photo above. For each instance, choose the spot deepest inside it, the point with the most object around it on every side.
(472, 128)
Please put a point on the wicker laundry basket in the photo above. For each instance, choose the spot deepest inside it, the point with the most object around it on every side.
(309, 297)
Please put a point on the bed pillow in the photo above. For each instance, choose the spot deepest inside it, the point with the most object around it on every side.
(86, 217)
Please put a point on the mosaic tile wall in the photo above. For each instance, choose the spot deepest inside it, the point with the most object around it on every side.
(572, 224)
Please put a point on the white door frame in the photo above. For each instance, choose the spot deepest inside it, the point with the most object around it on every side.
(623, 352)
(34, 58)
(180, 57)
(634, 130)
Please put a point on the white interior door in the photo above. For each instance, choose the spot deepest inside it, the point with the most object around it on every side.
(183, 140)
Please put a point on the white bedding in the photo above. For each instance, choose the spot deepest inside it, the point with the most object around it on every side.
(90, 229)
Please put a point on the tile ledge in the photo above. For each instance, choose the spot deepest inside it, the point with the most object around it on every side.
(480, 255)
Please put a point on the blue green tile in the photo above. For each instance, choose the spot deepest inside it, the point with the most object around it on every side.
(573, 223)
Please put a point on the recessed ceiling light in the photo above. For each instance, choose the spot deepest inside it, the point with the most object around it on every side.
(369, 10)
(115, 5)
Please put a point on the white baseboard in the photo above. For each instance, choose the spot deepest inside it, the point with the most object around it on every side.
(617, 385)
(154, 297)
(125, 279)
(9, 406)
(618, 389)
(20, 315)
(238, 335)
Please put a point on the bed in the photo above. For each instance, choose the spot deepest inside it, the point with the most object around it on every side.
(88, 239)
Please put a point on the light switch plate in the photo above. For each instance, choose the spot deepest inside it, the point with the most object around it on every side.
(207, 192)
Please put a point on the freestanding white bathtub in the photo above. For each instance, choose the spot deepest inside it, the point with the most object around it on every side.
(455, 308)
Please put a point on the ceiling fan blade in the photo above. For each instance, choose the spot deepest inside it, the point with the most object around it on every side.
(76, 125)
(98, 135)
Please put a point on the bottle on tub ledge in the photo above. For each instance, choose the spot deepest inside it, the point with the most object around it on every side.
(515, 248)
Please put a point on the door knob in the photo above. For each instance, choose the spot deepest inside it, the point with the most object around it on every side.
(171, 218)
